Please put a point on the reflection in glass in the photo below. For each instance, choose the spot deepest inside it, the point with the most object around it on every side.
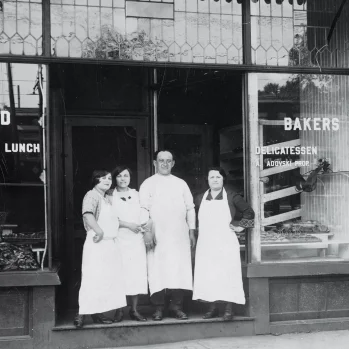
(21, 139)
(313, 34)
(22, 190)
(304, 204)
(196, 34)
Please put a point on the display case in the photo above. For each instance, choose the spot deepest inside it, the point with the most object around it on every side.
(23, 190)
(303, 181)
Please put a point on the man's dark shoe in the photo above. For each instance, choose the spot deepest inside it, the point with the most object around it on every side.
(101, 319)
(158, 315)
(135, 315)
(212, 313)
(178, 314)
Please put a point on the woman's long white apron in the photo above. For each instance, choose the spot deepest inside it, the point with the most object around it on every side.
(169, 265)
(217, 263)
(133, 252)
(102, 284)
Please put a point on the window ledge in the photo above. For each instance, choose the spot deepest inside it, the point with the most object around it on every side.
(37, 277)
(265, 270)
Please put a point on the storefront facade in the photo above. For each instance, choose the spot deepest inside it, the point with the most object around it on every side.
(97, 83)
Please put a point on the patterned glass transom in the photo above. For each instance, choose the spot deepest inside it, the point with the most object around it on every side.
(21, 27)
(195, 31)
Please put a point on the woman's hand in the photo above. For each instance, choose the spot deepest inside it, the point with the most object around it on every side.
(236, 229)
(149, 235)
(149, 240)
(136, 228)
(98, 237)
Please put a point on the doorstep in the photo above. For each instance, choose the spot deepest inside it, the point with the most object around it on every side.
(133, 333)
(193, 319)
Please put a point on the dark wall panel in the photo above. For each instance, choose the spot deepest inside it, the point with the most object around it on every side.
(14, 311)
(311, 298)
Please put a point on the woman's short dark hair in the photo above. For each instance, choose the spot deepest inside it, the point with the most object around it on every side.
(117, 170)
(220, 170)
(96, 175)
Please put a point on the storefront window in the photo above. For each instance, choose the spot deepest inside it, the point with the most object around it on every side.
(304, 167)
(191, 31)
(310, 33)
(22, 174)
(21, 27)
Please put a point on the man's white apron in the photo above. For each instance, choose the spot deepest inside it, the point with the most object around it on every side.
(169, 265)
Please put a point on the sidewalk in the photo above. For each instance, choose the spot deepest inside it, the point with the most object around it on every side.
(315, 340)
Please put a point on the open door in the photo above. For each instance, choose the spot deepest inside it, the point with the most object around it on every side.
(95, 143)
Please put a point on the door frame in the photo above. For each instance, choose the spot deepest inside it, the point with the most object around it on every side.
(143, 171)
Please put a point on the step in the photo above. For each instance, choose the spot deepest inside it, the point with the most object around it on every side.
(132, 333)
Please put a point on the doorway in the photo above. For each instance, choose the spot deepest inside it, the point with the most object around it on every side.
(93, 143)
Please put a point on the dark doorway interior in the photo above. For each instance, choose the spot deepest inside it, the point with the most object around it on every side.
(200, 119)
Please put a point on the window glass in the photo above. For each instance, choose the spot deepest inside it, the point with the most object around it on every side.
(310, 33)
(22, 204)
(304, 167)
(186, 31)
(21, 27)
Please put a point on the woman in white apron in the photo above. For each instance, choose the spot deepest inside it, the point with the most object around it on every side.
(217, 276)
(102, 286)
(127, 208)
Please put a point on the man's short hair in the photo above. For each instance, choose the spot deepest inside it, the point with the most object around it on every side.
(163, 150)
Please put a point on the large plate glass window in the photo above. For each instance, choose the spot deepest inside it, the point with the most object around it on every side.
(22, 172)
(304, 167)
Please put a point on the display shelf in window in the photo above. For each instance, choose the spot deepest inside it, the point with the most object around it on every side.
(24, 238)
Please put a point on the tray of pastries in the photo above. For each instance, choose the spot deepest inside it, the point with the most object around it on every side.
(24, 238)
(309, 226)
(287, 237)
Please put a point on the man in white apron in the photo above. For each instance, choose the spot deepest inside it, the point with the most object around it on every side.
(169, 202)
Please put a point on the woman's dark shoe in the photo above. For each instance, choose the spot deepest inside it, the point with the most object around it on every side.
(135, 315)
(212, 313)
(158, 315)
(119, 315)
(101, 319)
(228, 314)
(178, 314)
(79, 321)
